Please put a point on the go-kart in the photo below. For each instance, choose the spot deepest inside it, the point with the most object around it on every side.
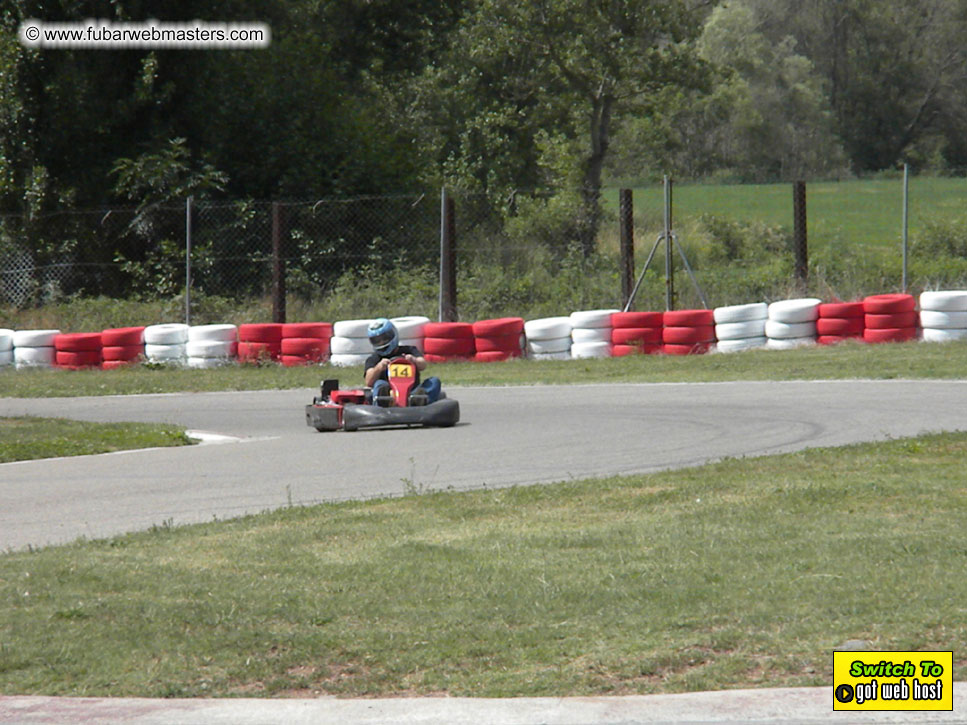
(404, 406)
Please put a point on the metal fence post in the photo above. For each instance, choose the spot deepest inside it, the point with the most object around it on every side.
(448, 259)
(189, 204)
(906, 220)
(669, 267)
(627, 223)
(799, 232)
(278, 266)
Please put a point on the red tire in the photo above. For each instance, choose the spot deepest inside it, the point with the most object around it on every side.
(115, 364)
(636, 319)
(122, 336)
(293, 361)
(448, 330)
(79, 359)
(835, 339)
(77, 341)
(121, 353)
(647, 348)
(252, 351)
(896, 334)
(889, 304)
(896, 319)
(636, 335)
(698, 348)
(841, 309)
(501, 327)
(840, 325)
(503, 343)
(687, 335)
(493, 356)
(319, 330)
(309, 347)
(689, 318)
(430, 357)
(270, 332)
(449, 347)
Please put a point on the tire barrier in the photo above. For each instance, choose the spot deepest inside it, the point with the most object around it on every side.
(688, 332)
(792, 323)
(448, 341)
(890, 318)
(34, 348)
(499, 339)
(839, 321)
(121, 346)
(548, 338)
(6, 347)
(77, 350)
(943, 316)
(305, 343)
(636, 333)
(740, 327)
(411, 330)
(591, 333)
(349, 344)
(166, 343)
(211, 346)
(260, 342)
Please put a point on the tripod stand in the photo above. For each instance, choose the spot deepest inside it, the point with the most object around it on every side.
(668, 237)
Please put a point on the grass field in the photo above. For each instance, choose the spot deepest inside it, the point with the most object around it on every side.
(25, 438)
(742, 573)
(860, 216)
(904, 360)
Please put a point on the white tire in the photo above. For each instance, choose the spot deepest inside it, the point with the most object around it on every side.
(749, 343)
(943, 320)
(805, 309)
(790, 343)
(591, 334)
(171, 333)
(740, 330)
(548, 328)
(347, 360)
(932, 334)
(944, 301)
(789, 330)
(163, 353)
(34, 338)
(549, 347)
(552, 356)
(351, 328)
(207, 363)
(592, 318)
(6, 340)
(6, 358)
(416, 342)
(211, 349)
(741, 313)
(409, 327)
(34, 356)
(220, 333)
(581, 350)
(339, 345)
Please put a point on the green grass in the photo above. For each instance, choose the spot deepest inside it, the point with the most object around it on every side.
(864, 216)
(25, 438)
(742, 573)
(853, 360)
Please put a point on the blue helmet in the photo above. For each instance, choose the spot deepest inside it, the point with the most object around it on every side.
(383, 336)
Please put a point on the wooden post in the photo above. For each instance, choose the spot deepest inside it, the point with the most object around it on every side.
(278, 265)
(448, 259)
(799, 232)
(626, 222)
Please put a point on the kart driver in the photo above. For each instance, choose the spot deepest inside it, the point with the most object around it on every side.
(385, 339)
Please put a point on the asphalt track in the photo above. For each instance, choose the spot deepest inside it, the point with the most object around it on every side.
(507, 436)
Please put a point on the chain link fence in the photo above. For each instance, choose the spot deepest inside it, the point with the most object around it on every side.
(241, 250)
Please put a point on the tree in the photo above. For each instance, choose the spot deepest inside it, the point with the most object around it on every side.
(539, 82)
